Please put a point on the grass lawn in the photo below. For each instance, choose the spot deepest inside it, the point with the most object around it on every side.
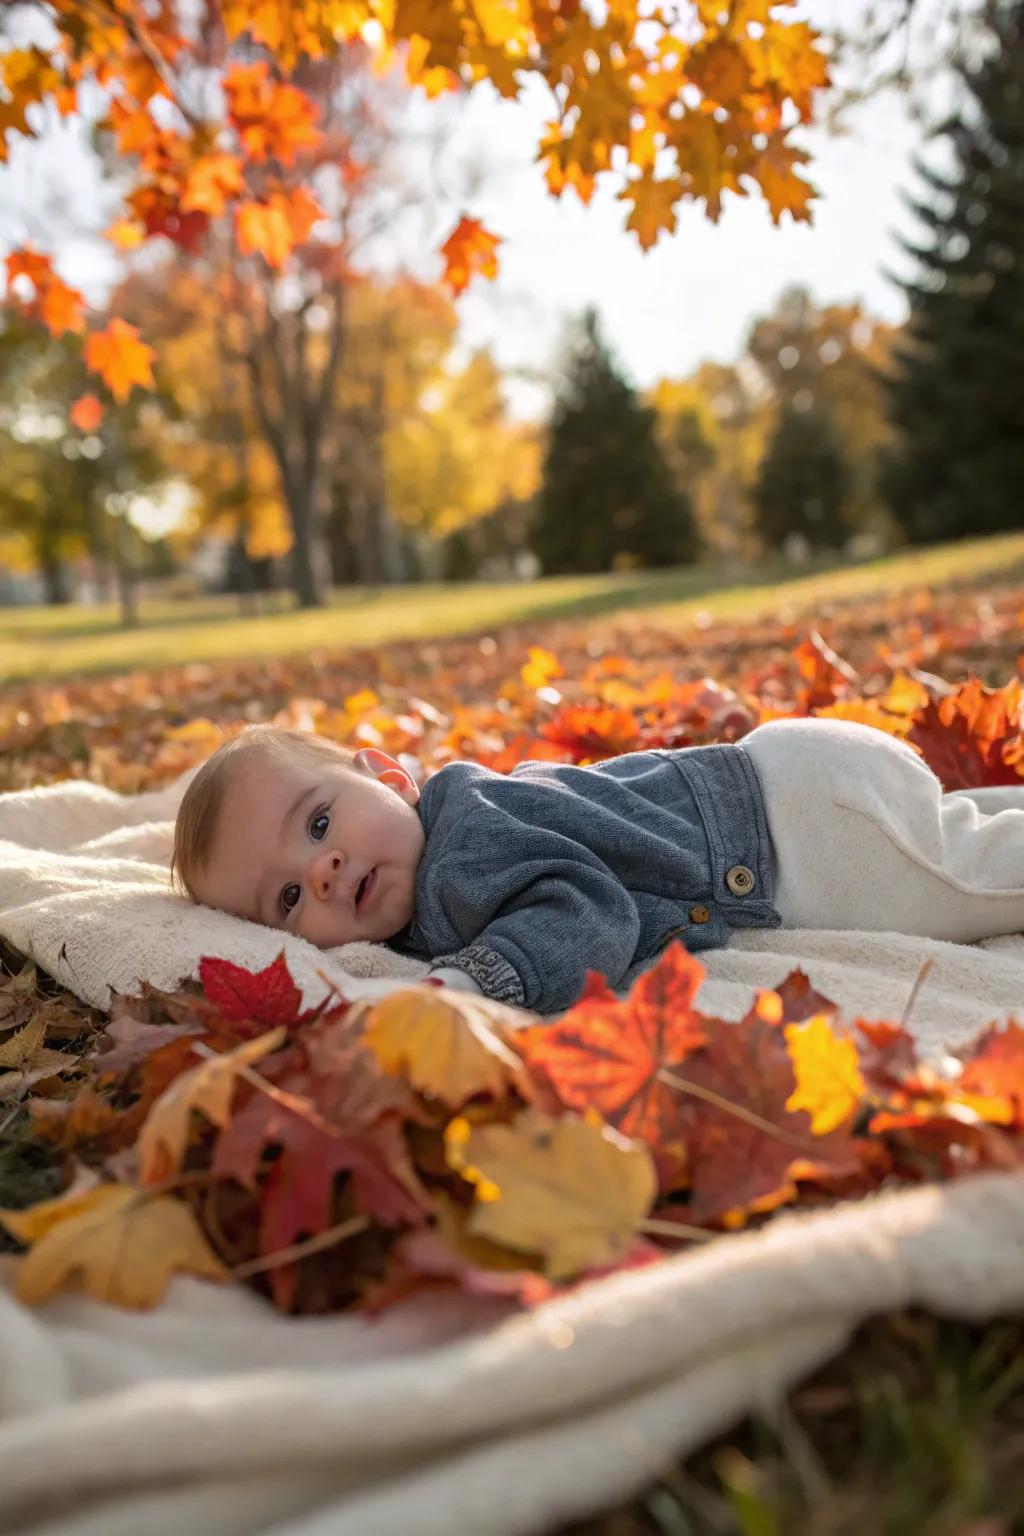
(39, 643)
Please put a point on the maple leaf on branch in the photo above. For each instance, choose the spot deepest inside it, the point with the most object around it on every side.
(469, 249)
(121, 358)
(41, 293)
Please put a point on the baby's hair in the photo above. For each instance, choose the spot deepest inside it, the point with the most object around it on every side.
(201, 803)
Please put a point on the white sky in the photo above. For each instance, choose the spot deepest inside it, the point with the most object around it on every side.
(691, 297)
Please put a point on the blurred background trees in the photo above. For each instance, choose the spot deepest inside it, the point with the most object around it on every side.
(325, 426)
(607, 500)
(957, 384)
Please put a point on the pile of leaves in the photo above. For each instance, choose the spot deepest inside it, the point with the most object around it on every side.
(351, 1154)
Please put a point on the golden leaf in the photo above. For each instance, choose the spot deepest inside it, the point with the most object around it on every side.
(120, 1245)
(571, 1190)
(829, 1083)
(443, 1041)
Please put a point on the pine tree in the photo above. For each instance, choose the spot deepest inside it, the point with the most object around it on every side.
(606, 491)
(803, 482)
(957, 393)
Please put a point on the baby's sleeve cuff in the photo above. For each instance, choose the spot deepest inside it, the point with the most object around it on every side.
(492, 973)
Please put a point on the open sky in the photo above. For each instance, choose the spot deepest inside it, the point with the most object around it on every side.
(693, 296)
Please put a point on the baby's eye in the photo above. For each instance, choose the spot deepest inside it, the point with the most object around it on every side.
(288, 901)
(322, 821)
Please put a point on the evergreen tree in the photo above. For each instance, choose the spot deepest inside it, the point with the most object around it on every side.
(957, 393)
(803, 482)
(606, 489)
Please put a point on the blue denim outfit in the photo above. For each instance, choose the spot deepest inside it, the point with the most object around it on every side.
(530, 879)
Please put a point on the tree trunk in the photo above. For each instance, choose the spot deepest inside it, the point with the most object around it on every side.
(307, 555)
(50, 564)
(126, 589)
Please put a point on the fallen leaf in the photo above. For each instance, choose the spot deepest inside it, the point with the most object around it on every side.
(443, 1041)
(120, 1245)
(571, 1190)
(606, 1052)
(829, 1082)
(208, 1087)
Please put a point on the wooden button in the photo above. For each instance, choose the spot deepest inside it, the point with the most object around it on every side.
(699, 914)
(740, 880)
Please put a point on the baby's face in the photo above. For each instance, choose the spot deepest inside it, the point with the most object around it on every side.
(327, 853)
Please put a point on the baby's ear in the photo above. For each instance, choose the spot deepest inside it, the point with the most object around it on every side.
(389, 771)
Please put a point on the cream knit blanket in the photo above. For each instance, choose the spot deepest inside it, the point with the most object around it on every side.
(215, 1415)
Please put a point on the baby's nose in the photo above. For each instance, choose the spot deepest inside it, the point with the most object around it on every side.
(325, 874)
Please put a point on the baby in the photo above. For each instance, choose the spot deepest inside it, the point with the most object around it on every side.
(516, 885)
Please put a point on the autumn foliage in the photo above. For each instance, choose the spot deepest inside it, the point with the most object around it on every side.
(352, 1153)
(362, 1151)
(694, 106)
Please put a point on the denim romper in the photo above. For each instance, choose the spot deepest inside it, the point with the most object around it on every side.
(532, 878)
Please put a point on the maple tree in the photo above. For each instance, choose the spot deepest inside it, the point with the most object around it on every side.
(712, 86)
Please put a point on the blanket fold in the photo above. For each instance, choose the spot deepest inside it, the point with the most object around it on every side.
(216, 1414)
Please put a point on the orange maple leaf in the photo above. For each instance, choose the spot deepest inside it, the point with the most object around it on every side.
(211, 183)
(469, 249)
(273, 121)
(273, 229)
(606, 1052)
(86, 413)
(120, 358)
(43, 295)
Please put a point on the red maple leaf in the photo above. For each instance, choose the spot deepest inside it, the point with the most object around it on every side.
(606, 1052)
(800, 1000)
(971, 737)
(297, 1190)
(264, 999)
(735, 1165)
(889, 1060)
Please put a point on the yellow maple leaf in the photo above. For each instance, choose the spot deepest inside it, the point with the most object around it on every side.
(443, 1041)
(126, 234)
(904, 694)
(571, 1190)
(120, 358)
(541, 668)
(829, 1083)
(864, 711)
(208, 1087)
(775, 172)
(121, 1246)
(504, 21)
(652, 207)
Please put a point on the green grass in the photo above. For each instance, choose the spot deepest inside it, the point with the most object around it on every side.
(916, 1429)
(41, 643)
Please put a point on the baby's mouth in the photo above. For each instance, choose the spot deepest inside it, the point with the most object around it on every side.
(365, 886)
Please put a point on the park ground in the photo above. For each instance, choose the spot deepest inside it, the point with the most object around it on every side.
(917, 1428)
(45, 642)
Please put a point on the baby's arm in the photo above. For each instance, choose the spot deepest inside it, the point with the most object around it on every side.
(536, 950)
(451, 976)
